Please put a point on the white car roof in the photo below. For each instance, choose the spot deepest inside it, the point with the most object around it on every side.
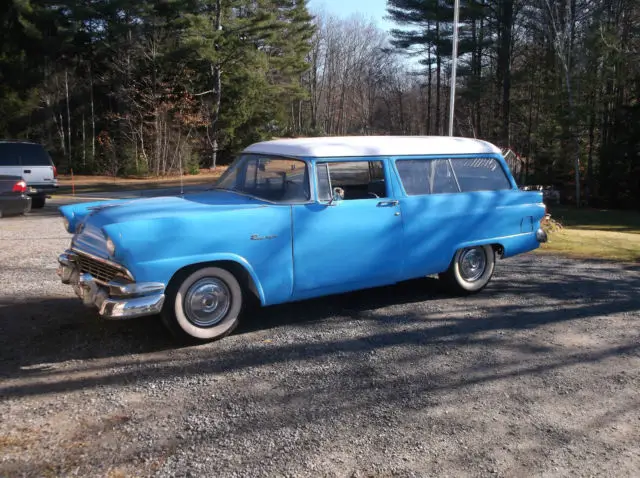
(349, 146)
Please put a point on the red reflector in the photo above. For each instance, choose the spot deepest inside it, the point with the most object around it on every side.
(55, 172)
(20, 187)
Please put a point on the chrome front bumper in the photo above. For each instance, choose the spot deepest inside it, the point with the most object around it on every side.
(116, 299)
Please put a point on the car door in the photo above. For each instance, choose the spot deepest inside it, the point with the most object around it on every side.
(351, 243)
(448, 202)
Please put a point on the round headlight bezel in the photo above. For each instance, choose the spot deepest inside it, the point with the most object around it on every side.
(111, 247)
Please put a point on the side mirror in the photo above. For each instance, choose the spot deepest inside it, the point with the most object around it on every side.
(338, 195)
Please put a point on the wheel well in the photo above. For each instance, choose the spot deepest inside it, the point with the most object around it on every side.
(240, 273)
(499, 249)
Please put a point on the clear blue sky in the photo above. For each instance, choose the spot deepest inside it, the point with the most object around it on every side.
(375, 10)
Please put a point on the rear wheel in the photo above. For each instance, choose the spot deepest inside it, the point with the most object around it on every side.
(203, 305)
(470, 270)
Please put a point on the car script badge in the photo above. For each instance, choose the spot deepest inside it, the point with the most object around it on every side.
(258, 237)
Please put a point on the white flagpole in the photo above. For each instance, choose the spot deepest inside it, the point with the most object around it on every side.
(454, 64)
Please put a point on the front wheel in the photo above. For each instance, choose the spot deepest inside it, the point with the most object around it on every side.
(203, 305)
(470, 270)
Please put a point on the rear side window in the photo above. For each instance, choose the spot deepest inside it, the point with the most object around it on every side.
(439, 176)
(433, 176)
(23, 154)
(480, 174)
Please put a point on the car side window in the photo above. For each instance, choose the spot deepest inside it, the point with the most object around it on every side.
(358, 179)
(9, 155)
(23, 154)
(415, 176)
(437, 176)
(441, 177)
(480, 174)
(422, 176)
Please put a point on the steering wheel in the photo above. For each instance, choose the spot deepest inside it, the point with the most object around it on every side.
(374, 195)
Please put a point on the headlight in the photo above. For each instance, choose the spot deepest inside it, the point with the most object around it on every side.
(111, 247)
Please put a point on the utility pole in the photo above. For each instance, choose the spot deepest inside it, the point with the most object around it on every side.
(454, 64)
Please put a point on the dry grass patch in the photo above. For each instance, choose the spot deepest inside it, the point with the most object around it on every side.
(593, 244)
(593, 234)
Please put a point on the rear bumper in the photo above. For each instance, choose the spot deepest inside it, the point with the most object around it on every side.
(41, 189)
(115, 300)
(11, 205)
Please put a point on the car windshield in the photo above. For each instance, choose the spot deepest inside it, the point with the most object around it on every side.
(266, 177)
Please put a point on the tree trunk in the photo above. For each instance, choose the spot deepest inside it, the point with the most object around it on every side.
(479, 128)
(429, 89)
(66, 86)
(504, 66)
(438, 69)
(574, 133)
(84, 145)
(216, 72)
(592, 128)
(93, 120)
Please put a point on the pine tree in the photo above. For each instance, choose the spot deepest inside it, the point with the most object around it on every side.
(253, 50)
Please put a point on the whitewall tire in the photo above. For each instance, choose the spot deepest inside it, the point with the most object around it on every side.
(470, 270)
(203, 305)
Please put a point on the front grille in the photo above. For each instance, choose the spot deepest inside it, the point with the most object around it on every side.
(101, 271)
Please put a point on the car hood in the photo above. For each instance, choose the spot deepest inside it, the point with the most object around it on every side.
(102, 213)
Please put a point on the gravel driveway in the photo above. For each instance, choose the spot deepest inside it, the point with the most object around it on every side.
(537, 376)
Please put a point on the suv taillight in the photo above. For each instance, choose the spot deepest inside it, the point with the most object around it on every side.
(55, 172)
(20, 187)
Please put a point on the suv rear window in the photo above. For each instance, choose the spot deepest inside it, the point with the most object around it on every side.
(23, 154)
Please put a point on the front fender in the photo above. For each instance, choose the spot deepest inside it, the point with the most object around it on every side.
(163, 270)
(259, 240)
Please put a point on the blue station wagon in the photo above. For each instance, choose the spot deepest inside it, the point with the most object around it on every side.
(293, 219)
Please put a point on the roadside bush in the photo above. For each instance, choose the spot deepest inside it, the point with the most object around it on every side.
(550, 225)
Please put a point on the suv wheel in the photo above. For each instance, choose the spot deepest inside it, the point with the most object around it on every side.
(37, 202)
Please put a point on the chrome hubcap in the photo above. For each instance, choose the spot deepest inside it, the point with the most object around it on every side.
(207, 302)
(472, 263)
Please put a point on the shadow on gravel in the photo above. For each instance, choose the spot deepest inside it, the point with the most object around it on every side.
(354, 304)
(35, 336)
(57, 330)
(36, 333)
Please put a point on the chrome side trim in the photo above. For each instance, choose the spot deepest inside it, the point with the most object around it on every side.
(115, 265)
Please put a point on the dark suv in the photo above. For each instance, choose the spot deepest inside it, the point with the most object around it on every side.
(33, 163)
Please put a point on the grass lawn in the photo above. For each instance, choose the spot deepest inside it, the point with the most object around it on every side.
(595, 233)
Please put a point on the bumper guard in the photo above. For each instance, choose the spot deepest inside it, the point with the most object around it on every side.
(541, 235)
(115, 300)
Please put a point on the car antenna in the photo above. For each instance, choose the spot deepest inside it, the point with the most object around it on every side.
(181, 180)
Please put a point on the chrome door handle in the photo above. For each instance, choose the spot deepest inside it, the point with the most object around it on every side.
(388, 203)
